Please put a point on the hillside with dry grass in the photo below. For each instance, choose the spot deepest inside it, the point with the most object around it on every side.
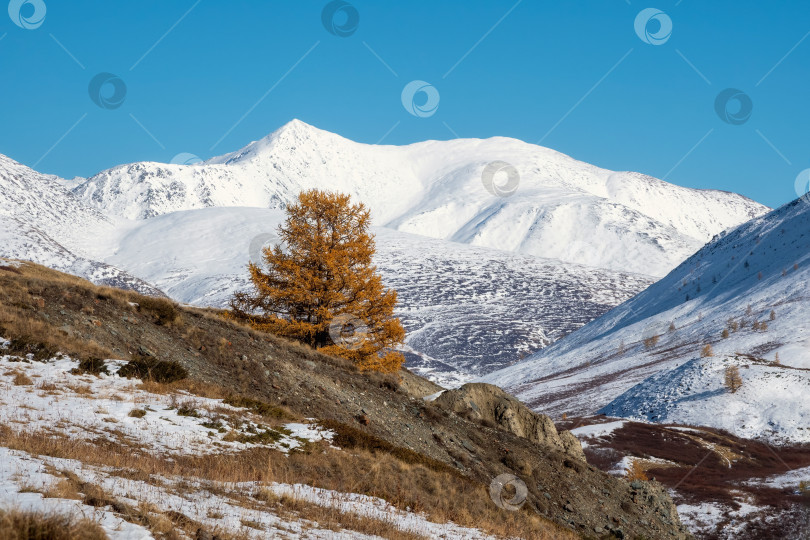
(145, 414)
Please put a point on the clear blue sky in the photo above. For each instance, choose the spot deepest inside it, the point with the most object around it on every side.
(573, 74)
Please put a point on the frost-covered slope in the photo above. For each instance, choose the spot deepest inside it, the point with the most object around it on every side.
(752, 282)
(43, 222)
(466, 309)
(562, 208)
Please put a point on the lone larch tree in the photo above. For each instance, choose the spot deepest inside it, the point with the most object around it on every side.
(320, 286)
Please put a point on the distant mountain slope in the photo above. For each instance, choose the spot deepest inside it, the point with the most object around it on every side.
(42, 221)
(467, 309)
(562, 208)
(753, 282)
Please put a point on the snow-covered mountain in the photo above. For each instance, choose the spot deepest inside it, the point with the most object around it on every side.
(742, 300)
(559, 208)
(40, 220)
(501, 278)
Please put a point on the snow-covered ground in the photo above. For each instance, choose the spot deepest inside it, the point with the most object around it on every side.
(86, 407)
(745, 295)
(201, 501)
(773, 402)
(46, 397)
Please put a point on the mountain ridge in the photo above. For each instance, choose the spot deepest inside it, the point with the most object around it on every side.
(635, 223)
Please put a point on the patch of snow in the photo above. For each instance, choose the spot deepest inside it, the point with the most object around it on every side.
(84, 406)
(213, 504)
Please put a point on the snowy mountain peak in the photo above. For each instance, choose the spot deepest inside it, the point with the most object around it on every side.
(293, 133)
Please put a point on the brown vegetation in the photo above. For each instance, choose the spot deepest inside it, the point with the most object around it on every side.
(20, 525)
(398, 477)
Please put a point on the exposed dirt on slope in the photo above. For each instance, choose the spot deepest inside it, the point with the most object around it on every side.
(705, 465)
(66, 312)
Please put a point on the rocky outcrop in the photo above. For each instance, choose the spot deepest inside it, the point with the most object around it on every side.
(490, 404)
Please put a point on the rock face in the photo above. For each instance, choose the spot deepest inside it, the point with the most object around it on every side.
(489, 403)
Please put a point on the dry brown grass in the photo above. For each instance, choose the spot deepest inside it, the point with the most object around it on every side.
(441, 496)
(19, 525)
(21, 379)
(41, 340)
(332, 518)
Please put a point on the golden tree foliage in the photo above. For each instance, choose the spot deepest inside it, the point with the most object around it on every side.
(321, 288)
(636, 472)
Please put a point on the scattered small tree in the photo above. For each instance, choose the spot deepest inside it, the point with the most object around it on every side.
(672, 327)
(621, 347)
(733, 380)
(795, 266)
(773, 315)
(749, 310)
(706, 351)
(636, 472)
(733, 325)
(650, 342)
(725, 333)
(321, 287)
(776, 359)
(759, 275)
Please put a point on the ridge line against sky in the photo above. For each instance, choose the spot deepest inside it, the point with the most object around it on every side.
(680, 90)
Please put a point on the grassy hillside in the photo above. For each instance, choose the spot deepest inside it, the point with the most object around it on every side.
(234, 398)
